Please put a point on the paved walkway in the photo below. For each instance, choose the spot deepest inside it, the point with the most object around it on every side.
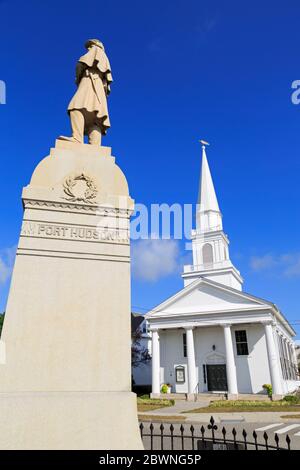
(181, 407)
(247, 417)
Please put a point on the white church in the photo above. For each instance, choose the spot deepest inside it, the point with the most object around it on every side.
(211, 336)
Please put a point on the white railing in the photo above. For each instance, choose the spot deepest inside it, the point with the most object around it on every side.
(204, 230)
(201, 267)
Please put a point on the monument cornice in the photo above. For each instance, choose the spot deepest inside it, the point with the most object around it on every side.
(83, 207)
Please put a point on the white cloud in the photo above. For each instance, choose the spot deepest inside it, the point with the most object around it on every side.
(293, 267)
(7, 257)
(259, 263)
(153, 259)
(4, 272)
(287, 265)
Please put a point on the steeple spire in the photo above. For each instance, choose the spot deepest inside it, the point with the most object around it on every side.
(210, 245)
(208, 213)
(207, 195)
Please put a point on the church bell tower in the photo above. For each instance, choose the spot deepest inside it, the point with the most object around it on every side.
(210, 244)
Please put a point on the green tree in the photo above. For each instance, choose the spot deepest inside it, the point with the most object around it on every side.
(1, 321)
(139, 354)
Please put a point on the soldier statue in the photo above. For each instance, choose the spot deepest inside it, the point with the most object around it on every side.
(88, 108)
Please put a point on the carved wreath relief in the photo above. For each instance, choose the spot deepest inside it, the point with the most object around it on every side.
(80, 188)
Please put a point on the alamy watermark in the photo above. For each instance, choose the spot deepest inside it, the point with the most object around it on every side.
(157, 221)
(2, 92)
(295, 97)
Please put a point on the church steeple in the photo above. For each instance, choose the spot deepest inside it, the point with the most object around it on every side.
(208, 213)
(209, 243)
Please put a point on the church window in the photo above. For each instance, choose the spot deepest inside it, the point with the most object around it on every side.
(241, 343)
(184, 345)
(207, 253)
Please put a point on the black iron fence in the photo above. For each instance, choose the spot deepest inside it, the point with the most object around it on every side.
(180, 437)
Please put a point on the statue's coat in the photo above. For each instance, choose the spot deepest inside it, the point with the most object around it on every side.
(93, 76)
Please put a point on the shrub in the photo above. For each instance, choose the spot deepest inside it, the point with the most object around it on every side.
(268, 388)
(164, 388)
(292, 399)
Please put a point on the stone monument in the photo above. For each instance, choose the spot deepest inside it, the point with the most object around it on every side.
(65, 382)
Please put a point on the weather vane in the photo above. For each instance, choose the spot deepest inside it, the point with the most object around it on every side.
(203, 142)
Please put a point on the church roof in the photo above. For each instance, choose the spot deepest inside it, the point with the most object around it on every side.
(205, 297)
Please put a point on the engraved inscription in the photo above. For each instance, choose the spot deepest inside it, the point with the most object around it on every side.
(70, 232)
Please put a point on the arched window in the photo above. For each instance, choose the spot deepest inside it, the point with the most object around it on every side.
(207, 253)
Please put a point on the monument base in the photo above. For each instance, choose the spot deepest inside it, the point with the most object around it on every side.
(69, 420)
(66, 379)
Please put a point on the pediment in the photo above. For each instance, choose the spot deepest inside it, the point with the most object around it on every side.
(205, 296)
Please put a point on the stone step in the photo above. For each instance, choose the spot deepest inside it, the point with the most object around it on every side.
(214, 396)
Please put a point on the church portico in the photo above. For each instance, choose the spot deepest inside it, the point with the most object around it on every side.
(211, 336)
(198, 358)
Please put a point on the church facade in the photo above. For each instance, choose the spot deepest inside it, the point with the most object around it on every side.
(211, 336)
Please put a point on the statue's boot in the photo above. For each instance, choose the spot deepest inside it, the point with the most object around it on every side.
(69, 139)
(94, 135)
(77, 125)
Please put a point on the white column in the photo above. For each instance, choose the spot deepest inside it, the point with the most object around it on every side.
(288, 356)
(273, 360)
(294, 355)
(291, 356)
(155, 362)
(230, 362)
(192, 378)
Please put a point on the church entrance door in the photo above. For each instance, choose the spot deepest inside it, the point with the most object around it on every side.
(216, 377)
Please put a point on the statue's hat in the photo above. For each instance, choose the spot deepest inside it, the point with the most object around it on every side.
(93, 42)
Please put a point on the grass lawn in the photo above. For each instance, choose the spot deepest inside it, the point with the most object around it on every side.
(290, 416)
(144, 403)
(161, 418)
(231, 406)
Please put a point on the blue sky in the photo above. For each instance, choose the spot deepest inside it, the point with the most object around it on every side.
(182, 70)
